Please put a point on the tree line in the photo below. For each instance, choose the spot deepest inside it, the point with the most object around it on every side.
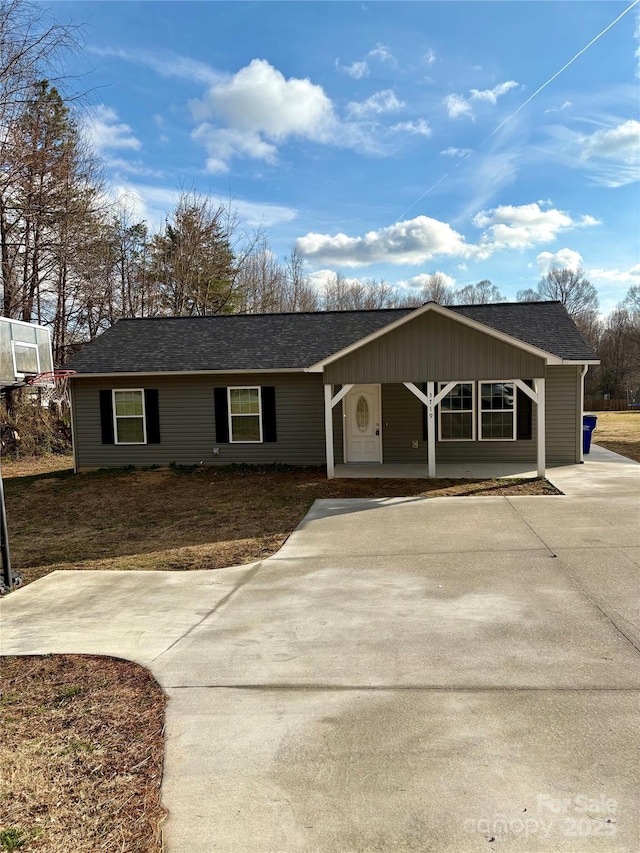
(76, 260)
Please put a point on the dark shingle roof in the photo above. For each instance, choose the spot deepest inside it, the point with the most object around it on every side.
(545, 325)
(285, 341)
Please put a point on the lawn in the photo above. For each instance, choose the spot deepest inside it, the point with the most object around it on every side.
(81, 751)
(620, 432)
(167, 519)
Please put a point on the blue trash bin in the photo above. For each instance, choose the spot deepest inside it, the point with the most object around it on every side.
(588, 425)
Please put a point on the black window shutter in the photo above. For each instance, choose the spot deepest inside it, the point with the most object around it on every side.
(269, 432)
(152, 412)
(221, 410)
(106, 417)
(525, 414)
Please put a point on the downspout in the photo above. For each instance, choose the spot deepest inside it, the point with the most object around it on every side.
(583, 373)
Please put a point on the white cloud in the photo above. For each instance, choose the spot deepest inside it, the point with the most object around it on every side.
(492, 95)
(621, 143)
(457, 152)
(520, 227)
(412, 241)
(457, 106)
(417, 282)
(105, 131)
(610, 155)
(167, 64)
(563, 106)
(357, 70)
(563, 259)
(602, 276)
(131, 167)
(418, 128)
(382, 52)
(418, 240)
(260, 108)
(154, 203)
(430, 57)
(380, 102)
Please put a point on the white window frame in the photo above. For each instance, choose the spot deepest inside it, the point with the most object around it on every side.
(257, 388)
(16, 373)
(442, 385)
(497, 411)
(116, 417)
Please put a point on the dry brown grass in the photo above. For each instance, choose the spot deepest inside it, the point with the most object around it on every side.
(619, 432)
(81, 750)
(176, 520)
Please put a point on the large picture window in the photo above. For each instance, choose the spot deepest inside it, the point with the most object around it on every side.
(456, 415)
(129, 417)
(497, 411)
(245, 415)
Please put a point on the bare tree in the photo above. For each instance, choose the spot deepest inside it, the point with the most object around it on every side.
(572, 288)
(482, 293)
(436, 289)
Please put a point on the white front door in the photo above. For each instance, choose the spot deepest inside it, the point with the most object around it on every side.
(362, 439)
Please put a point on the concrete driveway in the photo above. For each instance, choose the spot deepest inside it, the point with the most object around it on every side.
(447, 675)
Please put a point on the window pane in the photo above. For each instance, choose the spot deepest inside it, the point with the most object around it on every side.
(130, 430)
(497, 395)
(497, 425)
(459, 398)
(456, 425)
(26, 359)
(245, 428)
(244, 401)
(128, 403)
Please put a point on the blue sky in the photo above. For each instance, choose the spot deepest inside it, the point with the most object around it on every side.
(369, 134)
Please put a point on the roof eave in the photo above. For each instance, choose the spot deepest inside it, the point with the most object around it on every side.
(125, 373)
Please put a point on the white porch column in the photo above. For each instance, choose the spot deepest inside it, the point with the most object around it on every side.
(431, 400)
(539, 387)
(328, 431)
(329, 403)
(538, 395)
(431, 430)
(583, 373)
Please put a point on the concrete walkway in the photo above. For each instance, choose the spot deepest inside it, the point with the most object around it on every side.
(450, 675)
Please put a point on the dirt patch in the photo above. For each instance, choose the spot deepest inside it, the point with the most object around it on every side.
(177, 520)
(619, 432)
(81, 750)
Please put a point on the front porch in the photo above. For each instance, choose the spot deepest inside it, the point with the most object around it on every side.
(444, 471)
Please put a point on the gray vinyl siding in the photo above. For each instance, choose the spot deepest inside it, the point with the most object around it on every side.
(187, 422)
(564, 420)
(432, 347)
(402, 424)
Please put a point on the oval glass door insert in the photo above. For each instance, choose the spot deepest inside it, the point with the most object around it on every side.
(362, 414)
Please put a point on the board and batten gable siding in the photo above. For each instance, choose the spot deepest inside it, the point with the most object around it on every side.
(431, 348)
(187, 422)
